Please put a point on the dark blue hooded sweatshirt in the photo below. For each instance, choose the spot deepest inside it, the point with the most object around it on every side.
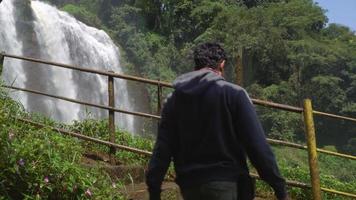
(208, 127)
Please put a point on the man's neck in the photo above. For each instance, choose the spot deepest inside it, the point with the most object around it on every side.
(218, 72)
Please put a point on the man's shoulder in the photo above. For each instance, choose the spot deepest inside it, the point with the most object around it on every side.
(234, 90)
(230, 86)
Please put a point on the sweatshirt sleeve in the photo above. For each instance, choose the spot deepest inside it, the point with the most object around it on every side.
(162, 152)
(251, 133)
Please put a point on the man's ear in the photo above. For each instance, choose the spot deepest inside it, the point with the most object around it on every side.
(222, 65)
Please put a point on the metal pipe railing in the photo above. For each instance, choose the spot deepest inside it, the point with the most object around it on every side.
(271, 141)
(85, 103)
(259, 102)
(111, 103)
(93, 71)
(306, 186)
(277, 105)
(303, 147)
(169, 85)
(148, 154)
(87, 138)
(307, 111)
(334, 116)
(312, 153)
(256, 101)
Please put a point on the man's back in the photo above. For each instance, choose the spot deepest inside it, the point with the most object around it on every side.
(206, 145)
(208, 126)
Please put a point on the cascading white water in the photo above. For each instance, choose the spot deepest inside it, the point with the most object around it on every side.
(10, 43)
(59, 37)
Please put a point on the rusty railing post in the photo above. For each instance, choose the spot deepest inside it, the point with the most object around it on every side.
(111, 99)
(312, 153)
(239, 68)
(2, 58)
(159, 98)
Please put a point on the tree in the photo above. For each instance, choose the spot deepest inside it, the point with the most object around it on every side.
(289, 53)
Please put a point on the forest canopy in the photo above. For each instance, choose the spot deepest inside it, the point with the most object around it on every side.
(289, 52)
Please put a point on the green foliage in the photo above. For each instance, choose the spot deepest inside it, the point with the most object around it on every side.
(82, 14)
(286, 46)
(281, 125)
(334, 99)
(128, 139)
(7, 105)
(289, 54)
(93, 128)
(42, 164)
(293, 164)
(99, 129)
(330, 166)
(351, 146)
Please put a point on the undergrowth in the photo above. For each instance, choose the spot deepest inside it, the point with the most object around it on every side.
(43, 164)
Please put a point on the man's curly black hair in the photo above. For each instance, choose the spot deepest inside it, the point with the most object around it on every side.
(208, 55)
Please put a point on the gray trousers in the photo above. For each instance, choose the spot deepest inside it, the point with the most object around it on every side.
(215, 190)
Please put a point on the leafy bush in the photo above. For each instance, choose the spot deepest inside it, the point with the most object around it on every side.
(136, 142)
(294, 166)
(99, 129)
(93, 128)
(39, 163)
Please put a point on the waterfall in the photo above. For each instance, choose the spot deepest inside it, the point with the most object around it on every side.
(9, 42)
(50, 34)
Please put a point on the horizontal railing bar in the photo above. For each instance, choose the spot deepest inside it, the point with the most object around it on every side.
(346, 194)
(148, 154)
(85, 103)
(336, 154)
(306, 186)
(334, 116)
(298, 109)
(277, 105)
(289, 182)
(288, 144)
(87, 138)
(105, 73)
(166, 84)
(272, 141)
(299, 146)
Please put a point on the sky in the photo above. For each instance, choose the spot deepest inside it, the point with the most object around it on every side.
(340, 11)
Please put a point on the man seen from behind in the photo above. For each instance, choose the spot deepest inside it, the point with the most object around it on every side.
(207, 129)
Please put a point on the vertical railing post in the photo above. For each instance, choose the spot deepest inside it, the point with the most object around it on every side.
(239, 68)
(111, 99)
(2, 58)
(159, 100)
(312, 153)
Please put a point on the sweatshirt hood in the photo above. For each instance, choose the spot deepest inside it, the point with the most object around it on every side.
(196, 82)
